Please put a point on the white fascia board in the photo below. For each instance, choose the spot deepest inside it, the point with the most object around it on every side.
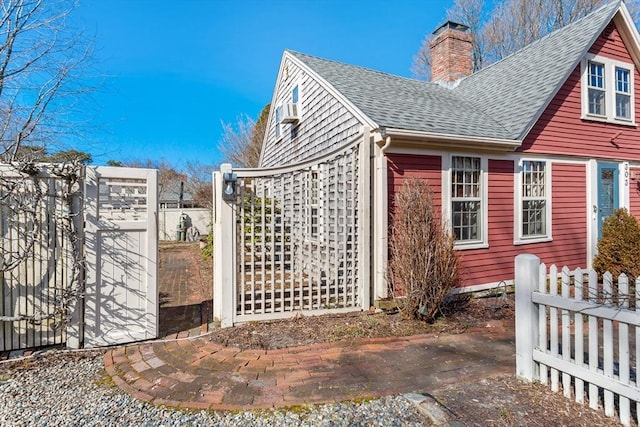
(272, 107)
(362, 117)
(628, 31)
(456, 140)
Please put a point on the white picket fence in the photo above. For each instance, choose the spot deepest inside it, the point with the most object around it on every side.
(579, 335)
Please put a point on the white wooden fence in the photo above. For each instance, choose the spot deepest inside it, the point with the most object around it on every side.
(294, 239)
(39, 214)
(579, 335)
(78, 263)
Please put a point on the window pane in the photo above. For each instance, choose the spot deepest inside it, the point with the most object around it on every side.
(622, 80)
(466, 217)
(596, 102)
(596, 75)
(623, 103)
(294, 94)
(534, 218)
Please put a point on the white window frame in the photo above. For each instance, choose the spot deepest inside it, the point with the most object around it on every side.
(314, 201)
(520, 198)
(448, 199)
(610, 90)
(298, 103)
(277, 114)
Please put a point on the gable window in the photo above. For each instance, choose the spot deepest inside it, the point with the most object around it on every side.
(596, 88)
(466, 198)
(278, 117)
(607, 90)
(623, 94)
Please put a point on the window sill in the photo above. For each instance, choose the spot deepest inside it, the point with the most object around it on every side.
(526, 241)
(470, 246)
(603, 119)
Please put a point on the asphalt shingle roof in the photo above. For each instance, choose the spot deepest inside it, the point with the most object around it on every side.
(516, 88)
(398, 102)
(501, 101)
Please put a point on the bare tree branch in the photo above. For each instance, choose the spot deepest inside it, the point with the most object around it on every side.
(242, 144)
(510, 26)
(42, 68)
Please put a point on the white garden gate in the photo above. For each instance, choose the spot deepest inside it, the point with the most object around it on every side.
(293, 239)
(121, 244)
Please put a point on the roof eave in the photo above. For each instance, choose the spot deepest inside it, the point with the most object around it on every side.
(357, 112)
(461, 141)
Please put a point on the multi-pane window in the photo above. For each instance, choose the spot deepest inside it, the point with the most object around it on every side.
(596, 84)
(466, 198)
(607, 90)
(534, 199)
(623, 93)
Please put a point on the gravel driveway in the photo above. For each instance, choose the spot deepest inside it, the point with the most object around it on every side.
(72, 390)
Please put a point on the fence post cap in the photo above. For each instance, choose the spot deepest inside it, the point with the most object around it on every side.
(527, 257)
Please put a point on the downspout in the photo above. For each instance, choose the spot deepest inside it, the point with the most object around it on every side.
(386, 145)
(381, 224)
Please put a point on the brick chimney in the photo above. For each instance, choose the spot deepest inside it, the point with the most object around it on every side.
(451, 53)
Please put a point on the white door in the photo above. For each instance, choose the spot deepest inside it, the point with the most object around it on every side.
(121, 245)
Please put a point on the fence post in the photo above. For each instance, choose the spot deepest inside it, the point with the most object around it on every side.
(75, 330)
(527, 273)
(364, 221)
(224, 253)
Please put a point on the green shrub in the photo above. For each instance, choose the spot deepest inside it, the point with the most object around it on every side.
(423, 262)
(619, 247)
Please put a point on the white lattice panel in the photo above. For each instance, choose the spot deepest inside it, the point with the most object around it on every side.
(122, 199)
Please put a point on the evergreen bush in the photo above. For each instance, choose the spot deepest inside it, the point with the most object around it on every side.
(619, 247)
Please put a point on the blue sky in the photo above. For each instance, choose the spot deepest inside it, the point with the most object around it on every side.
(176, 69)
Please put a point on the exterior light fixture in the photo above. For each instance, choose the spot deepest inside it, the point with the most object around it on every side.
(229, 180)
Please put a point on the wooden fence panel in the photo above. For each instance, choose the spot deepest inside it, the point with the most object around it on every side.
(40, 244)
(607, 315)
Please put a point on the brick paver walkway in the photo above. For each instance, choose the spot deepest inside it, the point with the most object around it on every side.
(196, 373)
(184, 301)
(190, 371)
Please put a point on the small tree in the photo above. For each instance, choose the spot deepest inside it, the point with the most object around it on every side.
(422, 257)
(619, 247)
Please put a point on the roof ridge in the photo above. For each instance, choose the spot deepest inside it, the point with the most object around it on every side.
(371, 70)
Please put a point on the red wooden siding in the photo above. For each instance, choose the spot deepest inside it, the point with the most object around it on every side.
(634, 192)
(401, 166)
(495, 263)
(569, 228)
(560, 130)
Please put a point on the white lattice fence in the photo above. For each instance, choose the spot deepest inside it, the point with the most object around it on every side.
(296, 239)
(580, 335)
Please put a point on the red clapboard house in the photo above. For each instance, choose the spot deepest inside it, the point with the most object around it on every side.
(527, 155)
